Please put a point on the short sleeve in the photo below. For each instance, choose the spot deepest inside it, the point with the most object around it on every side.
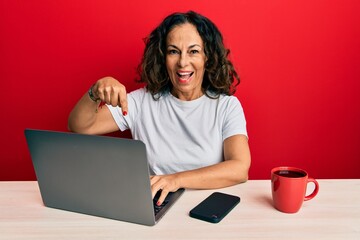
(234, 122)
(118, 117)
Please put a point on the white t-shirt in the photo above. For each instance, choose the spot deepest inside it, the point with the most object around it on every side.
(181, 135)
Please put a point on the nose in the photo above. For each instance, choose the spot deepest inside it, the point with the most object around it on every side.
(183, 60)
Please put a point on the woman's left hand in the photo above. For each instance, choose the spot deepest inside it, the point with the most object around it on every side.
(165, 183)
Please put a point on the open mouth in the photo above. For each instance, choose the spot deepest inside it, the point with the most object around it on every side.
(184, 76)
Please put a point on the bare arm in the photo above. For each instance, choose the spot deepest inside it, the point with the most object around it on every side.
(233, 170)
(87, 117)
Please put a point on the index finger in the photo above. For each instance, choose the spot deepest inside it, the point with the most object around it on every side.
(123, 101)
(162, 197)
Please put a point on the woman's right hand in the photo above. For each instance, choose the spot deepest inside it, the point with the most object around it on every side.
(112, 92)
(86, 117)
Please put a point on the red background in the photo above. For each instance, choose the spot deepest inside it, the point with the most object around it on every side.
(299, 62)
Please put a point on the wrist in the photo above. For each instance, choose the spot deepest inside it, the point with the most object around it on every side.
(91, 94)
(177, 180)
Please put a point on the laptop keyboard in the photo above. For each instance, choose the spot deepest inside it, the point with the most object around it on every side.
(157, 208)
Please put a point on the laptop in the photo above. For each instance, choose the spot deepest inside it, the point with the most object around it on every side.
(96, 175)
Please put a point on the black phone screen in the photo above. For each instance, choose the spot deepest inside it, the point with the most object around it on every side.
(215, 207)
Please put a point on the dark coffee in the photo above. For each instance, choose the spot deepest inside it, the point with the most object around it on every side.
(290, 174)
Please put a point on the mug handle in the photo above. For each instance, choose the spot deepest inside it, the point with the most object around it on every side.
(316, 190)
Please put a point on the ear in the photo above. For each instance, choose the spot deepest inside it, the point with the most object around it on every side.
(206, 58)
(206, 63)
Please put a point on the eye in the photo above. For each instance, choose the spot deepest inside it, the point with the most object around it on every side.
(172, 51)
(194, 51)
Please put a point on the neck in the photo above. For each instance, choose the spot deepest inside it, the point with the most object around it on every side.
(185, 96)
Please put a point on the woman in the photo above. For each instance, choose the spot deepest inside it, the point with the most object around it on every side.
(194, 130)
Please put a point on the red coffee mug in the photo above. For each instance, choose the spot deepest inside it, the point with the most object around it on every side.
(288, 185)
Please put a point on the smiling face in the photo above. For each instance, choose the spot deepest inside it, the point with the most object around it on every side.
(185, 61)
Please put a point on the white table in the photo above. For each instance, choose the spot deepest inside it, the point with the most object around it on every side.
(333, 214)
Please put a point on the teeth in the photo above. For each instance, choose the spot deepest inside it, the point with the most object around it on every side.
(184, 74)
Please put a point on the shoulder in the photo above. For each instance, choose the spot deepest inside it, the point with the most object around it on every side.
(143, 92)
(230, 107)
(232, 101)
(138, 93)
(226, 100)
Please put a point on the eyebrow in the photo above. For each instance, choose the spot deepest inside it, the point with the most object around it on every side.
(191, 46)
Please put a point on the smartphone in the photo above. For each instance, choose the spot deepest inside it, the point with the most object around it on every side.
(215, 207)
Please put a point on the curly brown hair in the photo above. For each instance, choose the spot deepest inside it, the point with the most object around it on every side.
(220, 76)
